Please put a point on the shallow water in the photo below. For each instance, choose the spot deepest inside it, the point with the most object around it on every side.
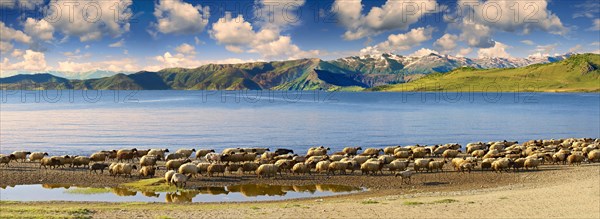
(236, 193)
(81, 122)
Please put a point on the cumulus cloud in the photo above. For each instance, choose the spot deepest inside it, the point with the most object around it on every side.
(446, 43)
(486, 17)
(401, 42)
(498, 51)
(95, 23)
(9, 35)
(464, 52)
(186, 49)
(5, 47)
(239, 36)
(39, 29)
(545, 49)
(117, 44)
(121, 65)
(393, 15)
(179, 17)
(423, 52)
(31, 61)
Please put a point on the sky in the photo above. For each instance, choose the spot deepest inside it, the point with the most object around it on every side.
(75, 36)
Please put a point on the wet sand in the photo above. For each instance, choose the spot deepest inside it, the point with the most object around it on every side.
(556, 191)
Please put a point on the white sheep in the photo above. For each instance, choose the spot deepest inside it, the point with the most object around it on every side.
(36, 156)
(168, 175)
(188, 169)
(405, 175)
(186, 152)
(179, 180)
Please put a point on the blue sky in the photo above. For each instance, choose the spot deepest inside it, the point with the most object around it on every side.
(46, 35)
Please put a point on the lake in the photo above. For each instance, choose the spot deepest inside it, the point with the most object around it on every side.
(81, 122)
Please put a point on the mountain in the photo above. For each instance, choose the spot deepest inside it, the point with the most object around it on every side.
(350, 73)
(578, 73)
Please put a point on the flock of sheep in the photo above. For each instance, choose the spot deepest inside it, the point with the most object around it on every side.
(496, 156)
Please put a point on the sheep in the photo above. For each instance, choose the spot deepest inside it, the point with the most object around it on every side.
(532, 163)
(478, 153)
(250, 167)
(122, 169)
(202, 167)
(169, 175)
(256, 150)
(594, 156)
(501, 164)
(421, 164)
(560, 156)
(126, 155)
(160, 153)
(449, 154)
(249, 156)
(64, 160)
(232, 167)
(353, 151)
(338, 166)
(175, 156)
(372, 151)
(390, 150)
(179, 180)
(436, 165)
(440, 150)
(405, 175)
(49, 162)
(336, 157)
(232, 150)
(186, 152)
(81, 161)
(320, 151)
(466, 166)
(111, 154)
(233, 157)
(284, 165)
(267, 170)
(215, 168)
(213, 157)
(371, 167)
(21, 155)
(188, 169)
(322, 166)
(141, 153)
(175, 164)
(360, 159)
(386, 159)
(487, 163)
(269, 155)
(519, 163)
(147, 171)
(148, 160)
(98, 157)
(4, 159)
(402, 154)
(282, 151)
(474, 146)
(98, 166)
(575, 159)
(37, 156)
(301, 168)
(203, 152)
(398, 165)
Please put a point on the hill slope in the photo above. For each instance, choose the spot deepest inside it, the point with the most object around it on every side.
(579, 73)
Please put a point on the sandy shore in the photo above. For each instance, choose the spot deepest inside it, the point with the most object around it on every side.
(553, 192)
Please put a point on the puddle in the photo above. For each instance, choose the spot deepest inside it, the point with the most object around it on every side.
(236, 193)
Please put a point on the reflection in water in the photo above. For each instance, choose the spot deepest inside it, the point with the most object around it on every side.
(246, 192)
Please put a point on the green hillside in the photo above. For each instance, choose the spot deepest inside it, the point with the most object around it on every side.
(579, 73)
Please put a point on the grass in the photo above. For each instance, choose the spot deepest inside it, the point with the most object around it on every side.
(411, 203)
(503, 198)
(28, 211)
(254, 208)
(445, 201)
(88, 191)
(164, 217)
(150, 185)
(367, 202)
(579, 73)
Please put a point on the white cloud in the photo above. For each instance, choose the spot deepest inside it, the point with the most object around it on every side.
(393, 15)
(103, 18)
(21, 4)
(528, 42)
(121, 65)
(178, 17)
(498, 51)
(401, 42)
(31, 61)
(186, 49)
(277, 14)
(423, 52)
(39, 29)
(464, 52)
(577, 48)
(17, 53)
(588, 9)
(7, 34)
(487, 17)
(546, 49)
(5, 47)
(446, 43)
(169, 60)
(595, 43)
(117, 44)
(239, 36)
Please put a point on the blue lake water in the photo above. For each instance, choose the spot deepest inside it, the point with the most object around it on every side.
(80, 122)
